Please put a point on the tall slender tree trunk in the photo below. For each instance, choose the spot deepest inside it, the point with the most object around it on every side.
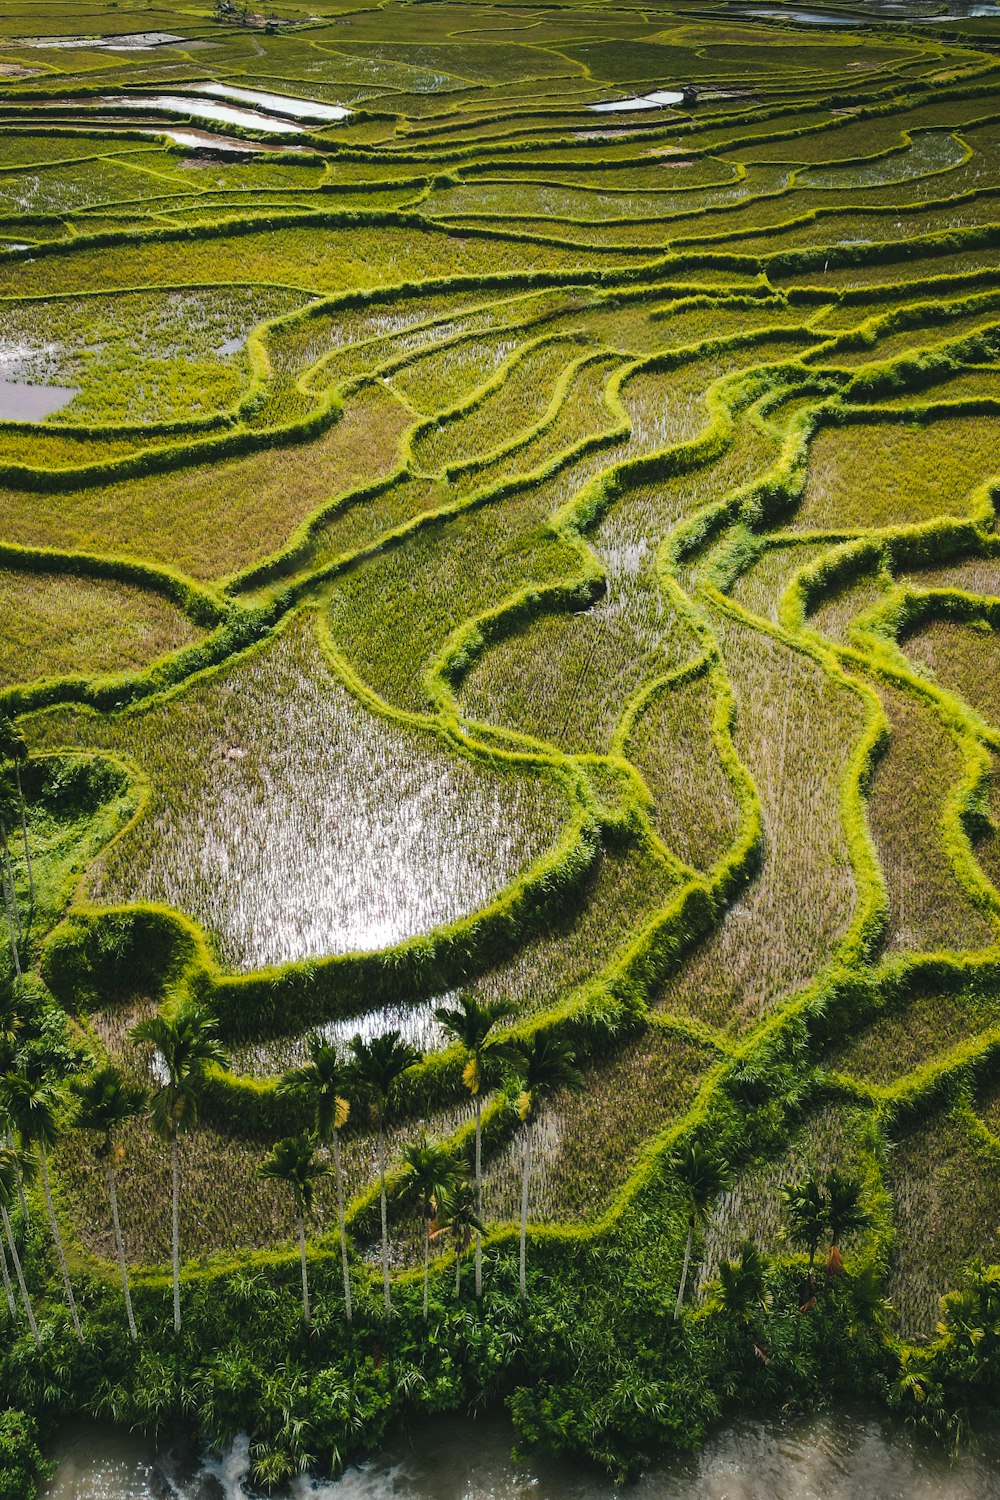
(10, 905)
(458, 1272)
(57, 1238)
(525, 1180)
(6, 1282)
(175, 1227)
(306, 1313)
(24, 835)
(8, 1140)
(19, 1273)
(479, 1196)
(427, 1265)
(684, 1268)
(120, 1248)
(10, 890)
(13, 941)
(343, 1226)
(385, 1221)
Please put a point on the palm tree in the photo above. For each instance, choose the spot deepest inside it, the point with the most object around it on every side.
(13, 1165)
(432, 1172)
(31, 1106)
(186, 1046)
(741, 1282)
(471, 1023)
(377, 1068)
(11, 1026)
(457, 1217)
(704, 1175)
(293, 1162)
(547, 1067)
(106, 1103)
(325, 1082)
(844, 1214)
(808, 1217)
(14, 748)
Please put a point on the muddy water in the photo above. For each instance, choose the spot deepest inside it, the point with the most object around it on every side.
(20, 402)
(853, 1456)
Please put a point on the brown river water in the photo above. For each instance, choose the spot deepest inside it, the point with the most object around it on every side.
(853, 1455)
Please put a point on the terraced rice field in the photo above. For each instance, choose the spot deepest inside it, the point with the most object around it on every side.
(501, 537)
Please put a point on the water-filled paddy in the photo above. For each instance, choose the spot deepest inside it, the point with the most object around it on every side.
(661, 99)
(126, 41)
(186, 105)
(291, 821)
(280, 104)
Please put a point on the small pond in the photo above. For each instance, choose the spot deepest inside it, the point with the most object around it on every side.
(20, 402)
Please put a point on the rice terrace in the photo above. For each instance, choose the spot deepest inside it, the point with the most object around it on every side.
(499, 719)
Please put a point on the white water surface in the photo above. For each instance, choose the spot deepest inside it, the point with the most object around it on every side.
(128, 41)
(660, 99)
(276, 104)
(204, 109)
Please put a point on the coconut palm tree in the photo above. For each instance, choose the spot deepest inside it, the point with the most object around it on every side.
(472, 1024)
(11, 1026)
(186, 1045)
(324, 1082)
(376, 1068)
(31, 1107)
(432, 1173)
(704, 1175)
(547, 1067)
(808, 1215)
(293, 1162)
(844, 1214)
(107, 1102)
(458, 1219)
(14, 749)
(13, 1167)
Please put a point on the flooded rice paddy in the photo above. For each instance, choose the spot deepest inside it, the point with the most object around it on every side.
(203, 140)
(661, 99)
(417, 1025)
(126, 41)
(855, 1454)
(277, 104)
(203, 109)
(290, 821)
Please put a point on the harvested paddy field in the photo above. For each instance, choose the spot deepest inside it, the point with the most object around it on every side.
(501, 511)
